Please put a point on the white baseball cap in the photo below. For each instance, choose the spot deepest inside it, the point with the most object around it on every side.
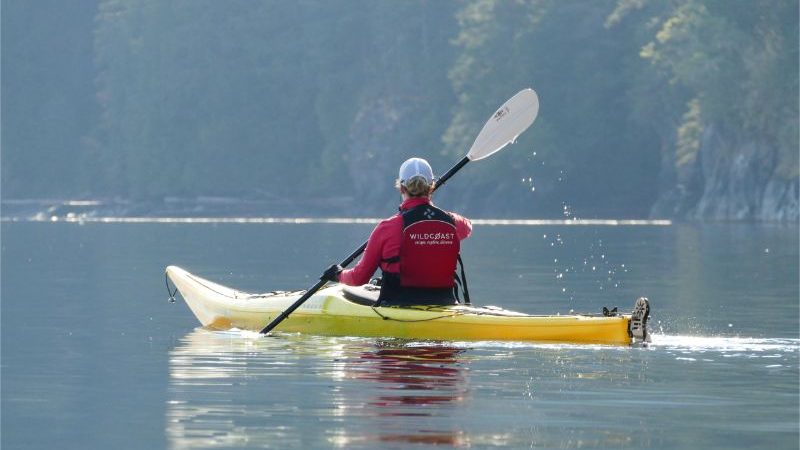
(415, 167)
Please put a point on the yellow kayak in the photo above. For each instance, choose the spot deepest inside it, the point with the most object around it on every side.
(339, 310)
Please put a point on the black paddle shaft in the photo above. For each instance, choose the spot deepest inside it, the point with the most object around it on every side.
(443, 179)
(346, 262)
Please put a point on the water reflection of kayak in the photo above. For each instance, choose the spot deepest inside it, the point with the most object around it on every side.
(342, 311)
(233, 389)
(415, 376)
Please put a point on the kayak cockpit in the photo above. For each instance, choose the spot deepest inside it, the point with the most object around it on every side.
(366, 295)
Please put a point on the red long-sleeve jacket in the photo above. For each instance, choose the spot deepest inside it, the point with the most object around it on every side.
(384, 244)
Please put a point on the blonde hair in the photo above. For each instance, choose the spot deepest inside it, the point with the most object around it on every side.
(416, 187)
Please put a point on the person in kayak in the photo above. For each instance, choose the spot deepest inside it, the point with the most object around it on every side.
(417, 249)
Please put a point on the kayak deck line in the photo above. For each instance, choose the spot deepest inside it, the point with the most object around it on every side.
(208, 285)
(246, 296)
(485, 311)
(337, 310)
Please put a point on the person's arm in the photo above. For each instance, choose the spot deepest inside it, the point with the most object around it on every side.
(369, 262)
(463, 226)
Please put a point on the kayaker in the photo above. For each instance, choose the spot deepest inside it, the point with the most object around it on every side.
(417, 249)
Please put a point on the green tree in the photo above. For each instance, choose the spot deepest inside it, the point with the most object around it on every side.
(736, 64)
(587, 153)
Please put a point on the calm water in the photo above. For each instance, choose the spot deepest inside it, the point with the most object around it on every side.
(93, 356)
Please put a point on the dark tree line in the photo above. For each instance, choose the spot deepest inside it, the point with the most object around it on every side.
(318, 99)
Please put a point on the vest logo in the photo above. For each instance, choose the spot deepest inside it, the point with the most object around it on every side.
(428, 213)
(432, 238)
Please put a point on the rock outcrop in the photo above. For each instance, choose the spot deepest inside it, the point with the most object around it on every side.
(728, 180)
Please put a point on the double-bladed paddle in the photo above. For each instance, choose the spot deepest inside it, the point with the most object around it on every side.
(508, 122)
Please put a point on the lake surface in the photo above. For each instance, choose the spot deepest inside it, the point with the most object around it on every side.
(93, 355)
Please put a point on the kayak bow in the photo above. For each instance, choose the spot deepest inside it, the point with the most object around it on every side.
(338, 310)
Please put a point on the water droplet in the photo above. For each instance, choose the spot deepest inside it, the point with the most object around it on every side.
(766, 250)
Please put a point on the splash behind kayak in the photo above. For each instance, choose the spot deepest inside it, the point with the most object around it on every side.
(338, 310)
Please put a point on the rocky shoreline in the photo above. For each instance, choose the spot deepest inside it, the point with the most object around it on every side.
(728, 180)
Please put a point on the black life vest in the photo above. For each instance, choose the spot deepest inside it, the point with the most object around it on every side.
(428, 257)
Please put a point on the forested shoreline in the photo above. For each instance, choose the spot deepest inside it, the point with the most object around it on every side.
(682, 109)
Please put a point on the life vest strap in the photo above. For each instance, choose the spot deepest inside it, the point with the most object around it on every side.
(462, 281)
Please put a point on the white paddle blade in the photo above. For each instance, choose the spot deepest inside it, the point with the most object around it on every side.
(510, 120)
